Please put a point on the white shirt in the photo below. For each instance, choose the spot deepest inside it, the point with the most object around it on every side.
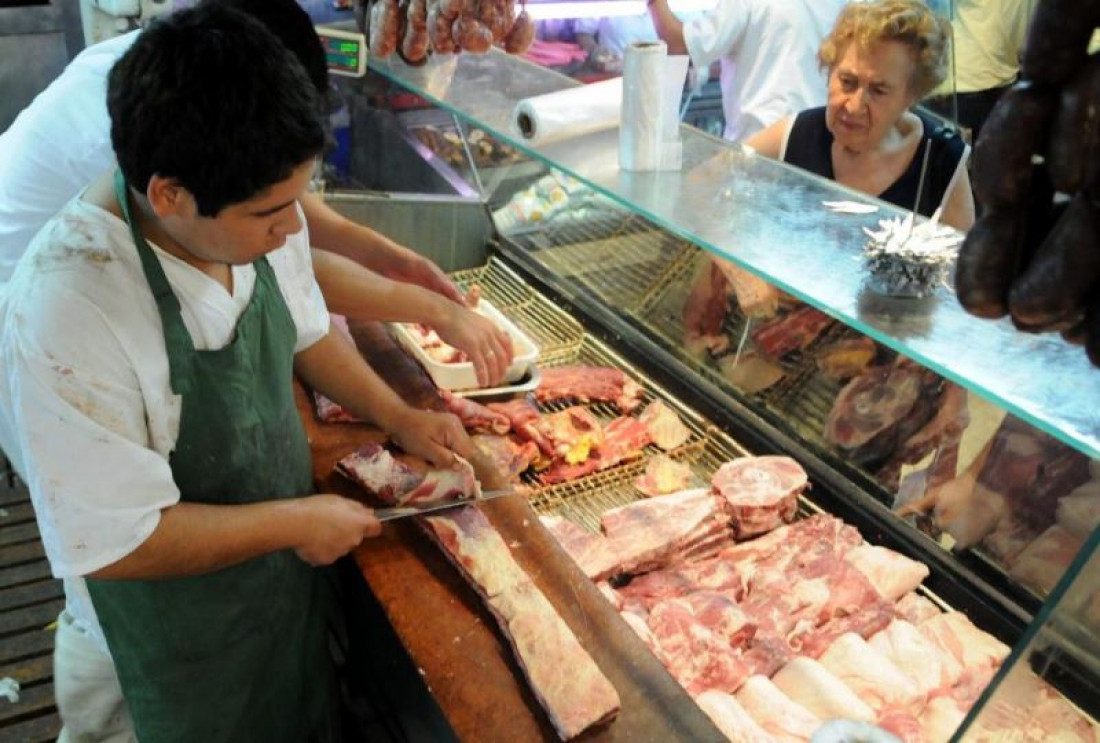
(87, 413)
(768, 50)
(988, 43)
(58, 145)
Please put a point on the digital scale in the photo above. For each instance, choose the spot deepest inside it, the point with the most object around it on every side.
(345, 49)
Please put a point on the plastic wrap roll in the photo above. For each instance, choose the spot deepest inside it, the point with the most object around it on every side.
(568, 113)
(642, 130)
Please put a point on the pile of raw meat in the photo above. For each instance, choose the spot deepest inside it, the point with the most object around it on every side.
(413, 28)
(775, 628)
(542, 642)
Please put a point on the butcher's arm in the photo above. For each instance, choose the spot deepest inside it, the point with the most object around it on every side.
(197, 538)
(669, 27)
(351, 290)
(331, 231)
(334, 367)
(768, 142)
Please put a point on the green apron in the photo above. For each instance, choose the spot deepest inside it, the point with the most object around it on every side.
(238, 654)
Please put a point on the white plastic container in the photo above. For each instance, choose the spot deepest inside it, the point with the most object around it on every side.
(461, 376)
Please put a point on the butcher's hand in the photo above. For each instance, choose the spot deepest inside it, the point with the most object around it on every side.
(411, 268)
(333, 526)
(436, 437)
(488, 347)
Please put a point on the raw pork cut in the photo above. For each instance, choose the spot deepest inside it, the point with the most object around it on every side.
(695, 655)
(331, 412)
(970, 646)
(731, 718)
(435, 348)
(717, 612)
(806, 682)
(624, 439)
(924, 662)
(795, 330)
(870, 406)
(868, 673)
(865, 623)
(524, 418)
(662, 476)
(775, 712)
(916, 609)
(543, 644)
(594, 553)
(761, 493)
(572, 433)
(508, 457)
(892, 574)
(1046, 559)
(589, 384)
(704, 310)
(665, 427)
(902, 724)
(476, 417)
(408, 481)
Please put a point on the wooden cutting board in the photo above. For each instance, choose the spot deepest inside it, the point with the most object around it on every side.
(451, 637)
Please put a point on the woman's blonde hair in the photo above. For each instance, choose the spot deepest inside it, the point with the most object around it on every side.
(910, 22)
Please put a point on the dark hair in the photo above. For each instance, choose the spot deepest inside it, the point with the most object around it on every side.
(209, 97)
(293, 26)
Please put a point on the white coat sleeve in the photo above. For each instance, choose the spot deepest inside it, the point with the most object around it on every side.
(716, 34)
(293, 267)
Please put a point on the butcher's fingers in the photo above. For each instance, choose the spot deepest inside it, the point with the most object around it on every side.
(436, 437)
(487, 346)
(331, 526)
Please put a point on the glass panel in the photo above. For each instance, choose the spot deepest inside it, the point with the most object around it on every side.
(1048, 688)
(768, 218)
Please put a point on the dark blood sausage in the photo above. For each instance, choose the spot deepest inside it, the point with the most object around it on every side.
(471, 35)
(1058, 39)
(494, 15)
(1055, 286)
(1011, 135)
(521, 35)
(988, 262)
(414, 48)
(1073, 148)
(385, 28)
(439, 31)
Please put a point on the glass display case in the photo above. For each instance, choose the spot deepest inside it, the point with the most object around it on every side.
(958, 442)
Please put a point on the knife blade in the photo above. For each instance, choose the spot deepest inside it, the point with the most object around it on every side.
(400, 512)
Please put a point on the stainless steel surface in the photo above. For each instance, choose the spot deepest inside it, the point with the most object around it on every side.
(401, 512)
(529, 383)
(767, 217)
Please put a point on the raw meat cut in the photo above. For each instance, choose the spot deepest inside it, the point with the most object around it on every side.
(542, 641)
(765, 655)
(892, 574)
(1046, 559)
(524, 418)
(924, 662)
(1008, 540)
(572, 433)
(695, 655)
(773, 711)
(939, 720)
(507, 456)
(846, 358)
(476, 417)
(650, 532)
(761, 493)
(916, 609)
(704, 310)
(665, 427)
(731, 718)
(662, 476)
(560, 471)
(951, 418)
(795, 330)
(800, 542)
(870, 406)
(703, 575)
(589, 384)
(807, 683)
(330, 412)
(750, 372)
(716, 611)
(868, 673)
(408, 481)
(1079, 512)
(970, 646)
(902, 724)
(624, 439)
(755, 297)
(594, 553)
(865, 623)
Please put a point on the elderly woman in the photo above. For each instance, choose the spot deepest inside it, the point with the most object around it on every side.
(882, 57)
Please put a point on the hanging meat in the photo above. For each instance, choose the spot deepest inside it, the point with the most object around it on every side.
(414, 28)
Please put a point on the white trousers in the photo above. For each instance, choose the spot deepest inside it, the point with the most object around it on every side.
(89, 698)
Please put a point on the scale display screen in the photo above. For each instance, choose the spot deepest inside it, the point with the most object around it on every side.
(345, 51)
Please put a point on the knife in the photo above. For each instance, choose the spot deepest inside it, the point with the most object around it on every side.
(400, 512)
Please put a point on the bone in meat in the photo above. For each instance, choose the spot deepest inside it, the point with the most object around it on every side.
(892, 574)
(476, 417)
(795, 330)
(508, 457)
(809, 684)
(665, 427)
(775, 712)
(524, 418)
(593, 552)
(589, 384)
(761, 493)
(731, 718)
(408, 481)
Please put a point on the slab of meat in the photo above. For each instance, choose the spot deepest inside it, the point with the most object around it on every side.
(916, 609)
(704, 575)
(695, 655)
(807, 683)
(871, 406)
(572, 433)
(1044, 561)
(730, 718)
(974, 649)
(589, 384)
(716, 611)
(794, 331)
(560, 471)
(755, 297)
(663, 475)
(775, 712)
(509, 457)
(1011, 537)
(892, 574)
(651, 532)
(476, 417)
(951, 418)
(865, 623)
(594, 554)
(846, 358)
(799, 542)
(331, 412)
(524, 418)
(407, 481)
(924, 662)
(666, 430)
(543, 644)
(868, 673)
(761, 493)
(624, 439)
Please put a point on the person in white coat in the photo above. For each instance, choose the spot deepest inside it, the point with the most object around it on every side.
(61, 142)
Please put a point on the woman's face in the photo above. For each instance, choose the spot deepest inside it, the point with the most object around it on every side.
(868, 93)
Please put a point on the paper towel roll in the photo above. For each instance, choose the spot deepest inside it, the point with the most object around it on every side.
(568, 113)
(642, 128)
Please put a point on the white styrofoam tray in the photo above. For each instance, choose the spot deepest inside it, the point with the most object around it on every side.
(461, 376)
